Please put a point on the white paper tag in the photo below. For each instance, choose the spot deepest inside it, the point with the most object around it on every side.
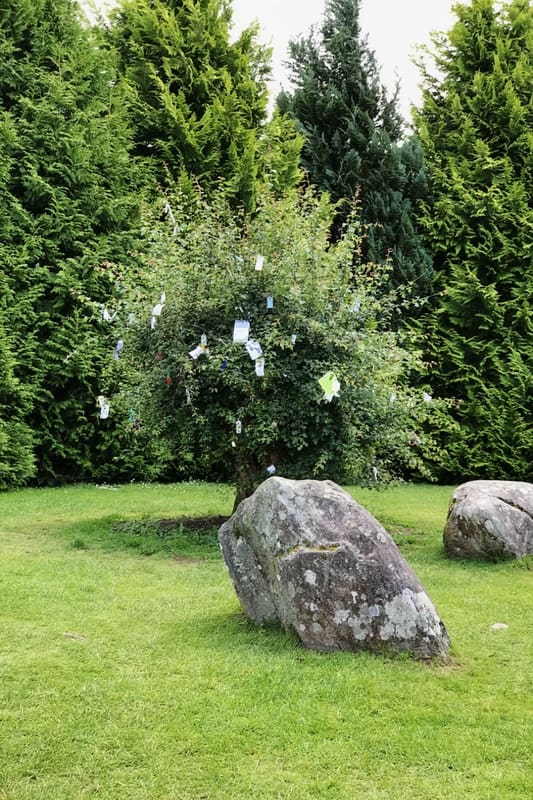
(157, 309)
(107, 316)
(104, 411)
(260, 260)
(241, 329)
(260, 367)
(253, 348)
(196, 352)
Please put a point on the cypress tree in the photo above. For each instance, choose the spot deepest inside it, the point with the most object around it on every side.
(67, 208)
(475, 126)
(16, 440)
(197, 100)
(352, 132)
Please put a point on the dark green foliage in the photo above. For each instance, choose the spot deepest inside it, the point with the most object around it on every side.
(16, 440)
(476, 126)
(197, 101)
(352, 134)
(194, 405)
(67, 208)
(125, 448)
(279, 151)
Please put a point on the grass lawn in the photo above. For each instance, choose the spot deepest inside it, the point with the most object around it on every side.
(127, 671)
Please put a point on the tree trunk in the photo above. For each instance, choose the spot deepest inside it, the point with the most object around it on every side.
(247, 478)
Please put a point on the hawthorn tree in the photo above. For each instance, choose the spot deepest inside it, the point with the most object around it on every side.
(223, 405)
(475, 125)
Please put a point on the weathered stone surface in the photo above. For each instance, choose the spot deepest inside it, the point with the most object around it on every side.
(305, 555)
(491, 520)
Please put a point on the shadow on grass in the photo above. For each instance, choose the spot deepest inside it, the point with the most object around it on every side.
(235, 633)
(183, 538)
(244, 633)
(196, 538)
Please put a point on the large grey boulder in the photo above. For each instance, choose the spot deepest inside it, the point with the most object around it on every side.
(491, 520)
(305, 555)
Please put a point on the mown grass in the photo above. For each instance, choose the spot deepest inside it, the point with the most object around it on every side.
(128, 671)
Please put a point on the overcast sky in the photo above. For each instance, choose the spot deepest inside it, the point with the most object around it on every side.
(394, 28)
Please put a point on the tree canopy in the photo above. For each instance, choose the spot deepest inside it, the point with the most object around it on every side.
(197, 100)
(259, 320)
(162, 105)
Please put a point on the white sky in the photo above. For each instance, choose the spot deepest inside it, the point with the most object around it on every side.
(394, 28)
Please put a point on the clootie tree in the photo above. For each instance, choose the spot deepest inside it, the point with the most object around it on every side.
(271, 351)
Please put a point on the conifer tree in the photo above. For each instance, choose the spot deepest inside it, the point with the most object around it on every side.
(197, 100)
(352, 133)
(67, 208)
(476, 125)
(16, 440)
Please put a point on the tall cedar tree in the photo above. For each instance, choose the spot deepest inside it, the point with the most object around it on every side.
(352, 132)
(476, 126)
(197, 100)
(66, 211)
